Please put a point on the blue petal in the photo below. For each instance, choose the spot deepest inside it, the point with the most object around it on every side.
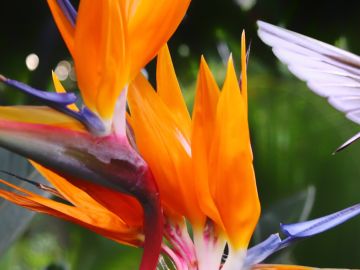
(59, 98)
(59, 102)
(69, 10)
(312, 227)
(298, 231)
(91, 121)
(261, 251)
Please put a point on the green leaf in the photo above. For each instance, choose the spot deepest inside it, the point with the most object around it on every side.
(15, 219)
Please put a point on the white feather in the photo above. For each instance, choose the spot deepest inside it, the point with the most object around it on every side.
(328, 71)
(354, 116)
(345, 103)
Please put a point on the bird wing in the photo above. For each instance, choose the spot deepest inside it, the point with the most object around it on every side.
(328, 71)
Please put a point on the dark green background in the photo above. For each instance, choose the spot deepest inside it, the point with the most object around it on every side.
(293, 131)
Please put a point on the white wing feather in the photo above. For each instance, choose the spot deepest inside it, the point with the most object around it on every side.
(328, 71)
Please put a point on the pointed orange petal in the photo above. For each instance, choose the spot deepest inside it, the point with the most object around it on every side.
(169, 90)
(66, 29)
(59, 88)
(125, 206)
(244, 73)
(70, 192)
(204, 112)
(98, 220)
(130, 7)
(100, 54)
(151, 24)
(155, 128)
(88, 195)
(244, 90)
(232, 176)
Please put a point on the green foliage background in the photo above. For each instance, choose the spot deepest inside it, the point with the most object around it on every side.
(294, 132)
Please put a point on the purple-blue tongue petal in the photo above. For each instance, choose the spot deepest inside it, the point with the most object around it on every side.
(298, 231)
(59, 102)
(58, 98)
(92, 122)
(315, 226)
(261, 251)
(69, 10)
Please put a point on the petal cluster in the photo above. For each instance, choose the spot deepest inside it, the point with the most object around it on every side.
(86, 204)
(110, 41)
(206, 161)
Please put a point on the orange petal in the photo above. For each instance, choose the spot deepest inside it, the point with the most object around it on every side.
(101, 58)
(98, 220)
(244, 73)
(155, 128)
(232, 179)
(204, 113)
(111, 49)
(150, 25)
(60, 89)
(94, 196)
(130, 7)
(169, 90)
(125, 206)
(66, 29)
(244, 90)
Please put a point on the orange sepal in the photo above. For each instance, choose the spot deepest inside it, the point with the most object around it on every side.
(204, 112)
(168, 89)
(150, 25)
(101, 57)
(232, 181)
(66, 29)
(243, 85)
(59, 88)
(156, 128)
(97, 219)
(90, 195)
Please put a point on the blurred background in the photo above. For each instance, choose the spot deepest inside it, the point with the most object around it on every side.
(294, 132)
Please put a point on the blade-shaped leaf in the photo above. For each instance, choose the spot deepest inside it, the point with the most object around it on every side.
(14, 219)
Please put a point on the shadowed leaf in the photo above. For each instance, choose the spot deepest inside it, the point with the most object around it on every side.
(14, 219)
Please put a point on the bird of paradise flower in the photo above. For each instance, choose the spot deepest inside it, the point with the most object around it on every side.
(138, 177)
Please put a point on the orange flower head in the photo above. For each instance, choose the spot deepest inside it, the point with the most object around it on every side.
(111, 41)
(207, 160)
(87, 150)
